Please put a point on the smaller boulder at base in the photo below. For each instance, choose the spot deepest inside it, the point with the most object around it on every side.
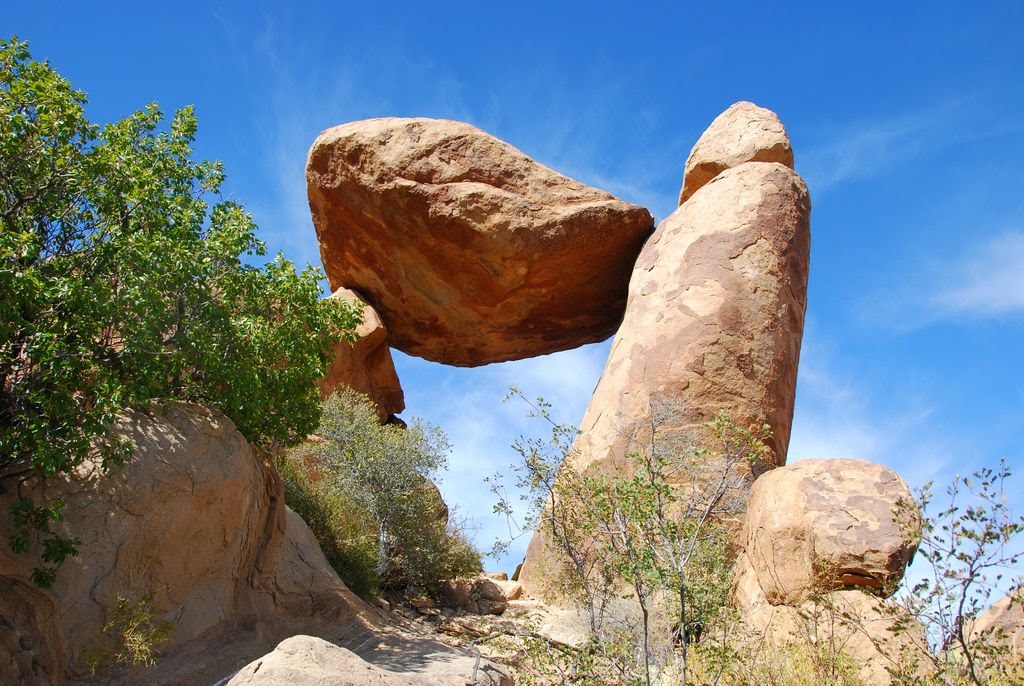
(819, 525)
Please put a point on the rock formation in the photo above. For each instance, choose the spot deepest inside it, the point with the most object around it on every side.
(470, 251)
(824, 541)
(834, 523)
(198, 520)
(743, 133)
(1002, 624)
(193, 518)
(365, 365)
(713, 322)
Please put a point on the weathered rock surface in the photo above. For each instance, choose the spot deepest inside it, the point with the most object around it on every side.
(822, 540)
(470, 251)
(743, 133)
(868, 629)
(311, 661)
(714, 322)
(197, 520)
(1002, 624)
(365, 365)
(824, 524)
(31, 647)
(481, 595)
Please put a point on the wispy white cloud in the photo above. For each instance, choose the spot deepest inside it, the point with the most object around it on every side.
(989, 282)
(861, 149)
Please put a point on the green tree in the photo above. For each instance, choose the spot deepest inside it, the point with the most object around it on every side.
(383, 475)
(128, 279)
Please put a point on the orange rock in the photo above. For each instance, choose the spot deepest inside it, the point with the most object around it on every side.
(470, 251)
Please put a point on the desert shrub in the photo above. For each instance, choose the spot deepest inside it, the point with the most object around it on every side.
(134, 631)
(645, 550)
(373, 506)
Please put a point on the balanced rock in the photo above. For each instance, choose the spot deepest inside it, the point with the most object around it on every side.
(470, 251)
(743, 133)
(365, 364)
(823, 524)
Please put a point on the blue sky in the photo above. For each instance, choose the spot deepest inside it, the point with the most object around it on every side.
(905, 120)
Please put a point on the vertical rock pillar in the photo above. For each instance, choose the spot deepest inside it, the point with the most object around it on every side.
(716, 304)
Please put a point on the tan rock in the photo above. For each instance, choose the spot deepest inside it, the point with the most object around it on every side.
(1002, 624)
(365, 365)
(198, 521)
(31, 647)
(470, 251)
(821, 524)
(714, 321)
(311, 661)
(743, 133)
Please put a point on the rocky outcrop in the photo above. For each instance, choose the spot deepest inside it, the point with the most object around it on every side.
(365, 364)
(483, 595)
(31, 647)
(826, 524)
(1002, 624)
(823, 542)
(743, 133)
(198, 522)
(713, 324)
(302, 660)
(470, 251)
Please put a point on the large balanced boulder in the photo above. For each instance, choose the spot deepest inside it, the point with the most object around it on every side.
(822, 524)
(365, 364)
(470, 251)
(743, 133)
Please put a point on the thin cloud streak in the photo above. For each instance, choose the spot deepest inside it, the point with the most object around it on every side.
(989, 282)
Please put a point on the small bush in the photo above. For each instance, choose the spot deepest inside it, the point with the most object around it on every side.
(366, 493)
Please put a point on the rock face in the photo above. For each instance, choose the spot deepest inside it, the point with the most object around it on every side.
(470, 251)
(743, 133)
(307, 660)
(1002, 624)
(713, 323)
(31, 647)
(483, 595)
(197, 520)
(365, 365)
(821, 542)
(829, 523)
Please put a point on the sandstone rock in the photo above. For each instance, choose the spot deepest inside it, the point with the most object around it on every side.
(470, 251)
(871, 631)
(1002, 624)
(365, 365)
(743, 133)
(310, 661)
(197, 520)
(714, 321)
(31, 647)
(480, 595)
(823, 524)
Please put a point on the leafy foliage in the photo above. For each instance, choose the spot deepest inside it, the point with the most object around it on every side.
(374, 484)
(654, 533)
(136, 633)
(971, 548)
(126, 280)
